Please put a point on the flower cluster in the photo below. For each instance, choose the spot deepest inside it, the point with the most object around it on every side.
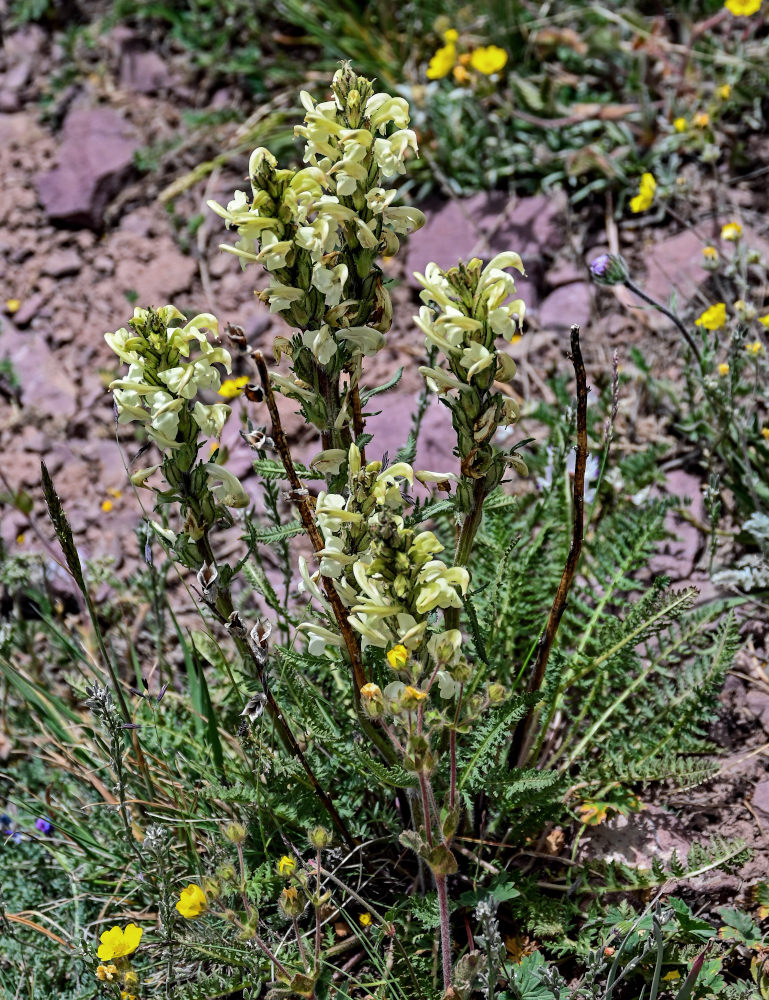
(162, 378)
(317, 231)
(386, 573)
(486, 60)
(116, 945)
(465, 310)
(171, 361)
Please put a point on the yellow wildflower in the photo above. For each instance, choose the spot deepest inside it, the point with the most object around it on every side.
(450, 35)
(731, 231)
(127, 996)
(723, 369)
(765, 436)
(106, 973)
(192, 902)
(755, 348)
(106, 506)
(671, 976)
(679, 124)
(365, 919)
(743, 8)
(414, 693)
(724, 91)
(286, 865)
(232, 387)
(442, 62)
(460, 74)
(592, 813)
(12, 305)
(701, 119)
(645, 196)
(114, 493)
(397, 657)
(20, 538)
(764, 320)
(710, 253)
(117, 943)
(488, 59)
(713, 318)
(371, 690)
(130, 979)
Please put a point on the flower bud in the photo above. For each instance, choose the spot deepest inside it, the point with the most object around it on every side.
(319, 837)
(291, 903)
(497, 693)
(212, 888)
(226, 873)
(235, 833)
(372, 700)
(609, 269)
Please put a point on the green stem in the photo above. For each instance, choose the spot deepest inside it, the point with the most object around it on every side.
(465, 542)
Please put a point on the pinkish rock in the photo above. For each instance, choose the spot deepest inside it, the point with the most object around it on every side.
(677, 555)
(46, 388)
(29, 309)
(566, 306)
(159, 280)
(95, 159)
(62, 263)
(761, 797)
(143, 72)
(674, 268)
(391, 430)
(17, 76)
(757, 703)
(486, 224)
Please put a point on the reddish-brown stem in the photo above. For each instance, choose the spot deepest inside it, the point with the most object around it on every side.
(308, 522)
(523, 736)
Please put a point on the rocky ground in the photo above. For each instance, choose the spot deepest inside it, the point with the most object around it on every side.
(84, 236)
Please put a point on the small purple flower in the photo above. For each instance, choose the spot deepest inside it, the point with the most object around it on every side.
(44, 825)
(609, 269)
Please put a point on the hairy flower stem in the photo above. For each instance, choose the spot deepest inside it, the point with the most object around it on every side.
(443, 909)
(465, 542)
(333, 436)
(358, 423)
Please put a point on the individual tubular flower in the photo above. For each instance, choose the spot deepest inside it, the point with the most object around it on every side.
(192, 902)
(117, 943)
(466, 309)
